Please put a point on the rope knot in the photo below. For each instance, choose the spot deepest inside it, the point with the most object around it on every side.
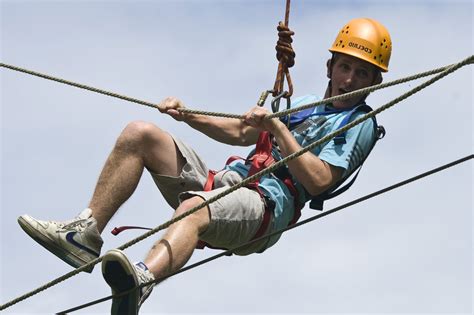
(285, 53)
(286, 58)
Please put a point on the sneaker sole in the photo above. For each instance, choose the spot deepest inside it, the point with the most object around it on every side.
(51, 246)
(120, 275)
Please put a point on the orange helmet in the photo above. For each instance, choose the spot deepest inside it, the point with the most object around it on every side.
(365, 39)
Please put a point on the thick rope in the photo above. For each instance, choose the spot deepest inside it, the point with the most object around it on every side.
(236, 116)
(311, 219)
(248, 180)
(285, 56)
(78, 85)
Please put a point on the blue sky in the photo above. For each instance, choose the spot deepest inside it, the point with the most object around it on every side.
(409, 251)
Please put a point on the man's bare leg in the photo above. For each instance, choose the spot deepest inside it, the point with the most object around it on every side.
(168, 255)
(177, 245)
(140, 145)
(78, 242)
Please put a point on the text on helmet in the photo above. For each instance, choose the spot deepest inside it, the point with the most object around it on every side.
(361, 47)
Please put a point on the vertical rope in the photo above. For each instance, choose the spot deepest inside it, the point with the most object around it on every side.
(285, 55)
(287, 12)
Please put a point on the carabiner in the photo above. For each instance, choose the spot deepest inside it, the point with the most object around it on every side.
(276, 102)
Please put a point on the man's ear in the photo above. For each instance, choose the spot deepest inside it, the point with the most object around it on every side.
(378, 78)
(329, 68)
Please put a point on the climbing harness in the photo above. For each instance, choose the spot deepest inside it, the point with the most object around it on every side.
(260, 159)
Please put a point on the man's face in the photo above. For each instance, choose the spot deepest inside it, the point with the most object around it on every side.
(349, 74)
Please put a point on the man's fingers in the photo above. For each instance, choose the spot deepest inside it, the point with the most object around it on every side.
(169, 103)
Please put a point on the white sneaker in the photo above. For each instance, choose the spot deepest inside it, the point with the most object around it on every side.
(121, 275)
(76, 242)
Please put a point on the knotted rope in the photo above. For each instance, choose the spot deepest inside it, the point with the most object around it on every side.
(285, 55)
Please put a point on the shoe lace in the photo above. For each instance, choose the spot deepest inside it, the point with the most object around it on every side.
(67, 225)
(144, 277)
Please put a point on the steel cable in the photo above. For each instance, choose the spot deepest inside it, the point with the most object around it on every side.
(311, 219)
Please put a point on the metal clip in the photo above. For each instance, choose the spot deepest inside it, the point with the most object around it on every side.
(276, 102)
(263, 97)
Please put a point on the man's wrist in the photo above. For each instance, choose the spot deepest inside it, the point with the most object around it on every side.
(194, 120)
(275, 126)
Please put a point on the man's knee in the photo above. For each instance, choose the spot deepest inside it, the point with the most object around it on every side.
(201, 218)
(139, 133)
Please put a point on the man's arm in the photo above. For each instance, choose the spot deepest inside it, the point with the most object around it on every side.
(226, 130)
(313, 173)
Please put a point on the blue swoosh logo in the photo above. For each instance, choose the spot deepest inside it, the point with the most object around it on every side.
(70, 239)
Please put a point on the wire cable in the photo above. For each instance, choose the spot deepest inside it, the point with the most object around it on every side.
(311, 219)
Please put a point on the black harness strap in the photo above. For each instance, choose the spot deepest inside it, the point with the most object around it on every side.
(318, 201)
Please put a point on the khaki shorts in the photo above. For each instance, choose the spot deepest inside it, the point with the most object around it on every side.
(235, 218)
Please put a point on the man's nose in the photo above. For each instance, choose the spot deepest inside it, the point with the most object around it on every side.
(350, 78)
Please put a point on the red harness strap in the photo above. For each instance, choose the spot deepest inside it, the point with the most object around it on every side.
(261, 159)
(208, 186)
(266, 216)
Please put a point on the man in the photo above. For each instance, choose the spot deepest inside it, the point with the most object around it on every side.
(360, 53)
